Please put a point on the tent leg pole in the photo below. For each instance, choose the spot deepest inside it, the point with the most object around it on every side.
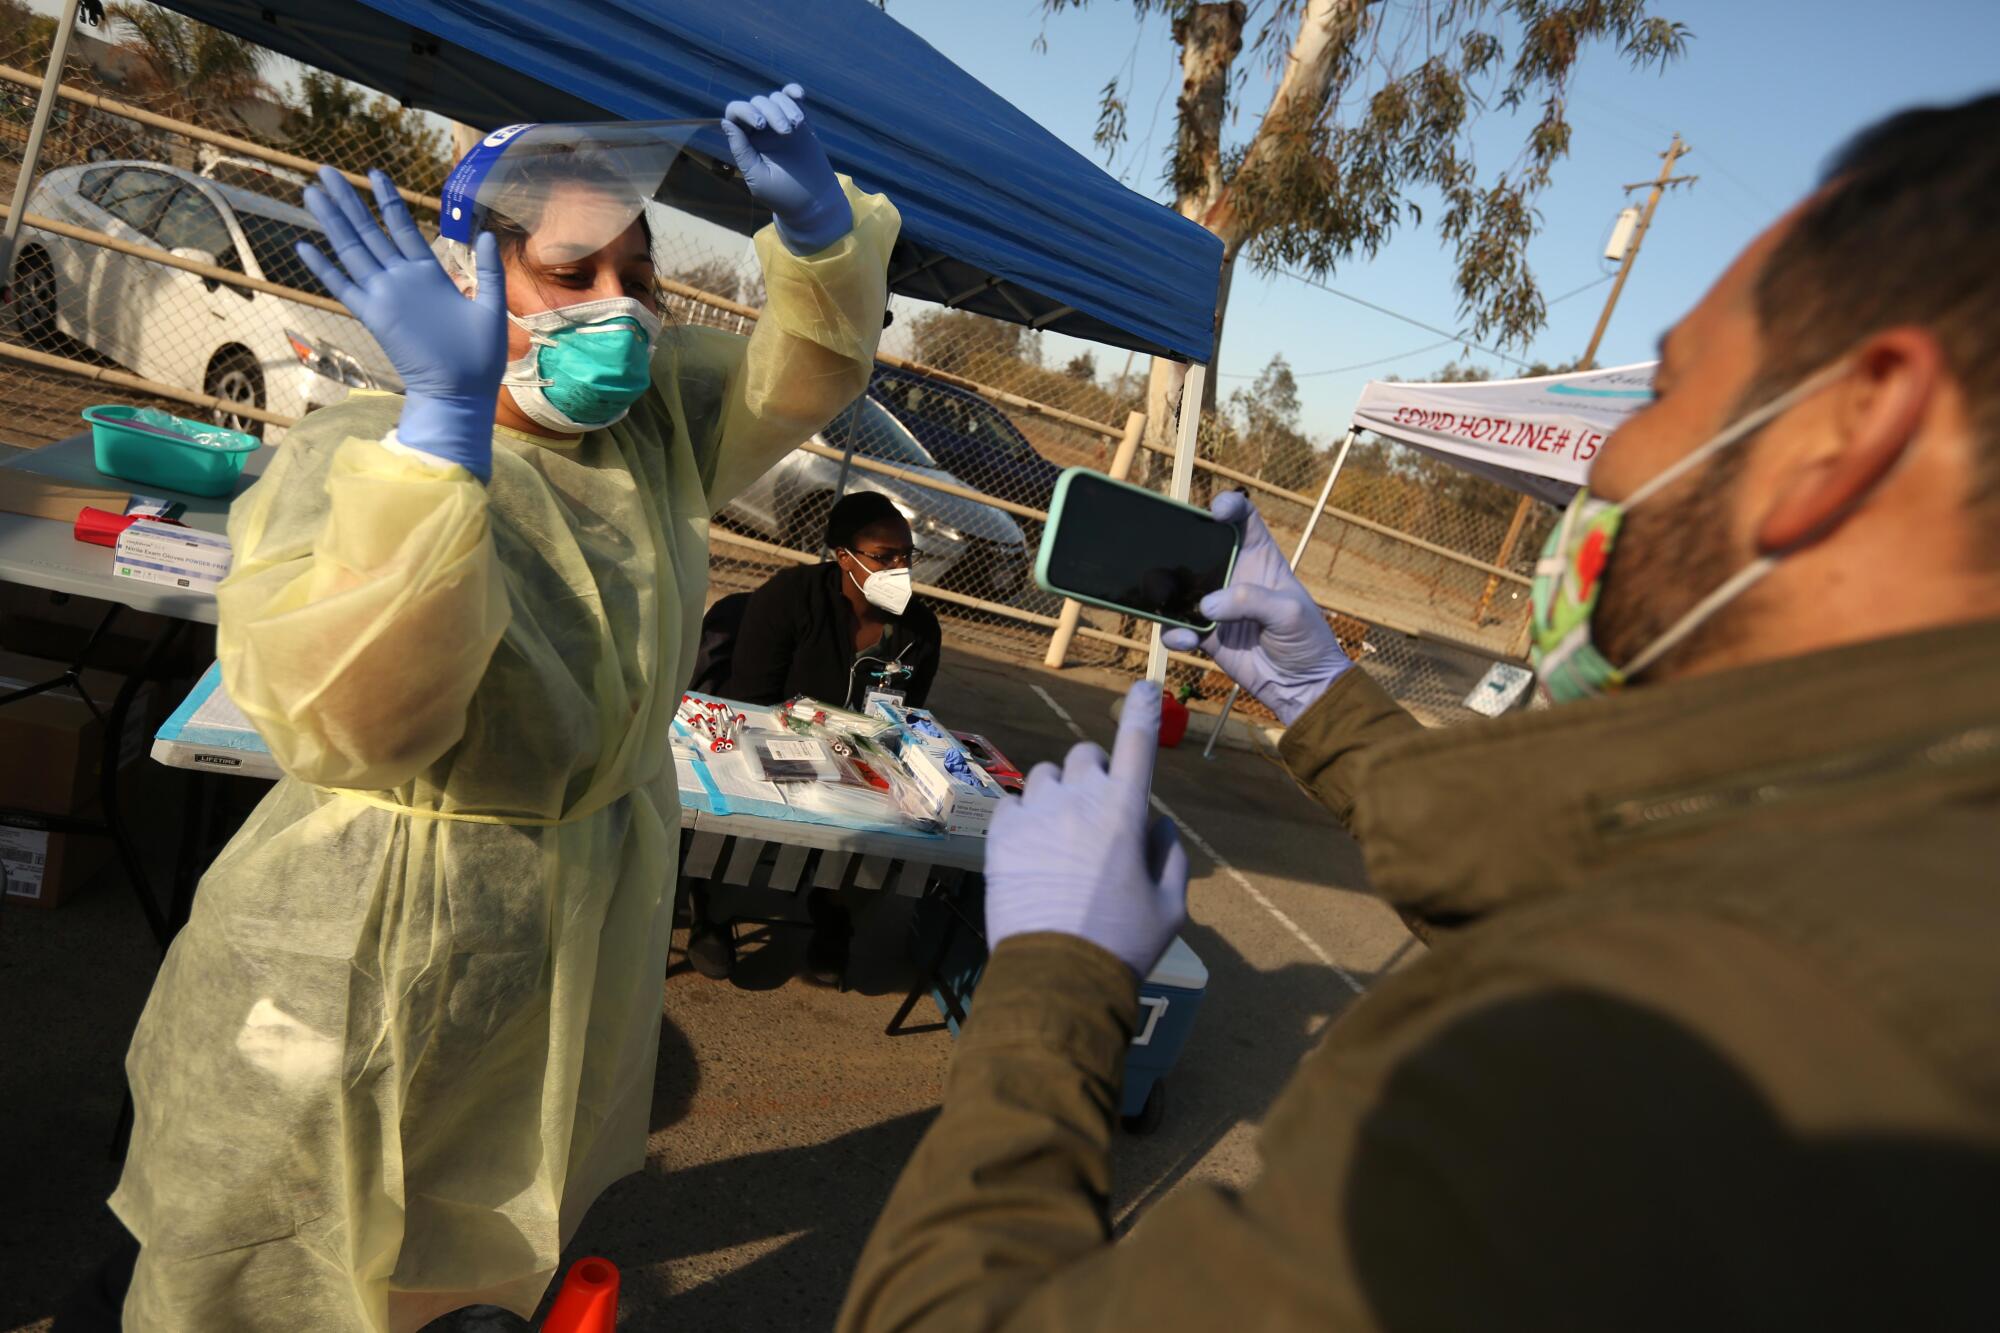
(1187, 437)
(1072, 610)
(1506, 554)
(1298, 554)
(31, 154)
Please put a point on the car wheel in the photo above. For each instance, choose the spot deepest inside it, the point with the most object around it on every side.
(35, 299)
(234, 375)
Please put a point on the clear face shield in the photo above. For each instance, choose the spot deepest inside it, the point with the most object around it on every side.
(556, 195)
(572, 188)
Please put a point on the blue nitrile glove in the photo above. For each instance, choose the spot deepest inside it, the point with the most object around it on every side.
(450, 351)
(1075, 854)
(1269, 636)
(786, 169)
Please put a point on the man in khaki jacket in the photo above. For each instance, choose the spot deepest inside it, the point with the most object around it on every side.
(1709, 1035)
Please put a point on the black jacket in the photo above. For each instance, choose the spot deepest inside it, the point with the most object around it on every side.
(798, 637)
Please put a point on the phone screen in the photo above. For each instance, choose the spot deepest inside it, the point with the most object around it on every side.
(1145, 554)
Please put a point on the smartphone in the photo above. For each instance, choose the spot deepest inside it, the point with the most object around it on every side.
(1114, 545)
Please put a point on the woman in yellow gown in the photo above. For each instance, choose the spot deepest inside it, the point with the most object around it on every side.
(409, 1034)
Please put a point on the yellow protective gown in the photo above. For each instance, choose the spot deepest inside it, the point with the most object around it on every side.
(409, 1034)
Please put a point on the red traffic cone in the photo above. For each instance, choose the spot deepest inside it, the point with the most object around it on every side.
(588, 1301)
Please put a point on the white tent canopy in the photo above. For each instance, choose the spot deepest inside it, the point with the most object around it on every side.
(1535, 435)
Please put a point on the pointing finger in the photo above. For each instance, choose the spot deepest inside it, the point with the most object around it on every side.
(1138, 738)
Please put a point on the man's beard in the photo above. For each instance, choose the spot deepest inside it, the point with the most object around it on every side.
(1671, 552)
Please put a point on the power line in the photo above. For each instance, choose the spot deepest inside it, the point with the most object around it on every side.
(1447, 341)
(1396, 314)
(1359, 365)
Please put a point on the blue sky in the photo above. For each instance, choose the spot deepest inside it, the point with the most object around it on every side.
(1766, 91)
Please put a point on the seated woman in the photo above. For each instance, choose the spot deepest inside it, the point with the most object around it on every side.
(834, 631)
(839, 630)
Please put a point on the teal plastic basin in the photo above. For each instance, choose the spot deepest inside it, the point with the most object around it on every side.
(149, 447)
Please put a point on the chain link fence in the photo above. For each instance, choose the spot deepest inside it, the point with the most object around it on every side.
(156, 267)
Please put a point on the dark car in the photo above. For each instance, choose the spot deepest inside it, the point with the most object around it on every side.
(968, 436)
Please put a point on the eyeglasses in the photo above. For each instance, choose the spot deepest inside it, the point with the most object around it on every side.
(899, 557)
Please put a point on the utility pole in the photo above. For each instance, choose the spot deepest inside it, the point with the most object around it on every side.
(1659, 184)
(1675, 152)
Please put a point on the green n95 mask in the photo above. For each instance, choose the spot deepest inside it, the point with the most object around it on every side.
(1569, 575)
(586, 364)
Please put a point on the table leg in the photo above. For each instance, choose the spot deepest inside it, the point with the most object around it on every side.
(931, 978)
(197, 838)
(114, 820)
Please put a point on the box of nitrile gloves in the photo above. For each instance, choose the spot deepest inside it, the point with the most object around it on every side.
(961, 788)
(176, 556)
(944, 769)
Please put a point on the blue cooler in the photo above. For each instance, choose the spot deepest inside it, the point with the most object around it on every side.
(1168, 998)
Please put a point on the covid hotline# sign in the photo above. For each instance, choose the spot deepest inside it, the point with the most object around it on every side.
(1545, 430)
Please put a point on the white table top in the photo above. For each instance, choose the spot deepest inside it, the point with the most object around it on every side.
(42, 553)
(954, 849)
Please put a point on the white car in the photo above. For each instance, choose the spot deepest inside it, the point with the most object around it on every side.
(961, 544)
(179, 328)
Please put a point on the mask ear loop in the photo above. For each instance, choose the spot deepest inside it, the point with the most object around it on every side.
(839, 551)
(1745, 578)
(1747, 424)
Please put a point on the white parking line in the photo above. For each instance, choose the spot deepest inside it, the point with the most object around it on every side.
(1221, 862)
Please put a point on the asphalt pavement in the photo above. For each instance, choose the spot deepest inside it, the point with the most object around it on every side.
(781, 1112)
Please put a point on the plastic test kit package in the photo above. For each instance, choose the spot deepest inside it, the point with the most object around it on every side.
(872, 784)
(798, 761)
(944, 770)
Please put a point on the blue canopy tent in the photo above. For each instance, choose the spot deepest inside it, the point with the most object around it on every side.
(999, 216)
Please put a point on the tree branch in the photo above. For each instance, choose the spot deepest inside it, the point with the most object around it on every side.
(1325, 37)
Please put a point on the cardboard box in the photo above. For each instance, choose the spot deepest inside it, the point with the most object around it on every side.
(44, 869)
(54, 744)
(40, 623)
(55, 761)
(38, 496)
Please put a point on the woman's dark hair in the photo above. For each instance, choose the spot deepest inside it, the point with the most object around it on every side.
(862, 509)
